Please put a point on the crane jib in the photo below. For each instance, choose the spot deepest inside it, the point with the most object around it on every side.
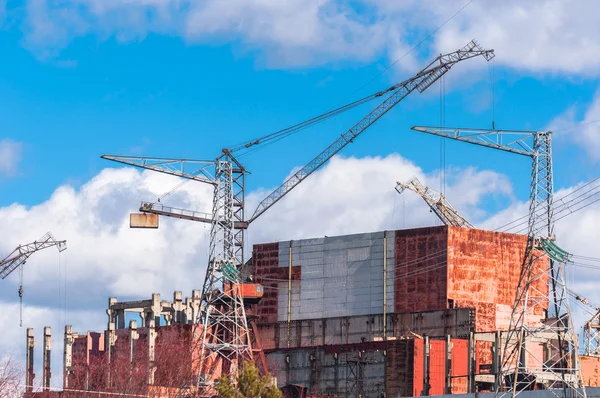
(421, 81)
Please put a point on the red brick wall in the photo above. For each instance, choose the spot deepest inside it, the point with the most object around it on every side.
(415, 251)
(265, 265)
(267, 272)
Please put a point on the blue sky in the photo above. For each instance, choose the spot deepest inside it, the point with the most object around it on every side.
(163, 96)
(80, 78)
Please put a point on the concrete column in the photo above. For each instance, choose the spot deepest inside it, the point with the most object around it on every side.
(110, 343)
(178, 307)
(196, 302)
(68, 355)
(47, 374)
(151, 347)
(29, 375)
(156, 308)
(133, 336)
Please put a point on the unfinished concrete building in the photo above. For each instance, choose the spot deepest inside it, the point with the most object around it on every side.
(401, 313)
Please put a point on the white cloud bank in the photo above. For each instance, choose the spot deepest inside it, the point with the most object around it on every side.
(546, 35)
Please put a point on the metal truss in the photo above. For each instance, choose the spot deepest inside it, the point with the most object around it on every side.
(225, 333)
(20, 255)
(591, 329)
(355, 381)
(591, 335)
(225, 340)
(420, 82)
(541, 348)
(437, 202)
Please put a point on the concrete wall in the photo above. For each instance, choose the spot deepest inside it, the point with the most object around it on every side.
(363, 328)
(428, 269)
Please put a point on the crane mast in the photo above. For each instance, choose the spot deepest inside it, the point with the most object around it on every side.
(437, 202)
(541, 286)
(225, 340)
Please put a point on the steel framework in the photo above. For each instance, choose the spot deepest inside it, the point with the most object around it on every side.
(20, 255)
(437, 202)
(591, 330)
(541, 281)
(226, 338)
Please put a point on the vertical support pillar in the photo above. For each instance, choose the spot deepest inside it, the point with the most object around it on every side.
(110, 338)
(29, 375)
(496, 360)
(156, 309)
(151, 347)
(448, 386)
(384, 285)
(178, 307)
(133, 336)
(68, 355)
(289, 309)
(471, 364)
(195, 305)
(336, 377)
(47, 352)
(426, 364)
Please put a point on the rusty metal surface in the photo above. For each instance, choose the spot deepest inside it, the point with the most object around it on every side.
(460, 358)
(142, 220)
(590, 368)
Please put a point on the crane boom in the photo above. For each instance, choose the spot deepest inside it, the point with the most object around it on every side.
(175, 167)
(421, 81)
(192, 215)
(513, 141)
(22, 253)
(437, 202)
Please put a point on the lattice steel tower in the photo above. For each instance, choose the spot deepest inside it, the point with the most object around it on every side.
(538, 350)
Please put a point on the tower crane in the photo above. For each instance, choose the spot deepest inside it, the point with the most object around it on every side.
(521, 366)
(225, 335)
(437, 202)
(18, 257)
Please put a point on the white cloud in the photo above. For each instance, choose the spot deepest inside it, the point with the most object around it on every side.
(547, 35)
(10, 156)
(583, 131)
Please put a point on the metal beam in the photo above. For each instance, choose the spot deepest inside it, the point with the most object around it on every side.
(513, 141)
(193, 169)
